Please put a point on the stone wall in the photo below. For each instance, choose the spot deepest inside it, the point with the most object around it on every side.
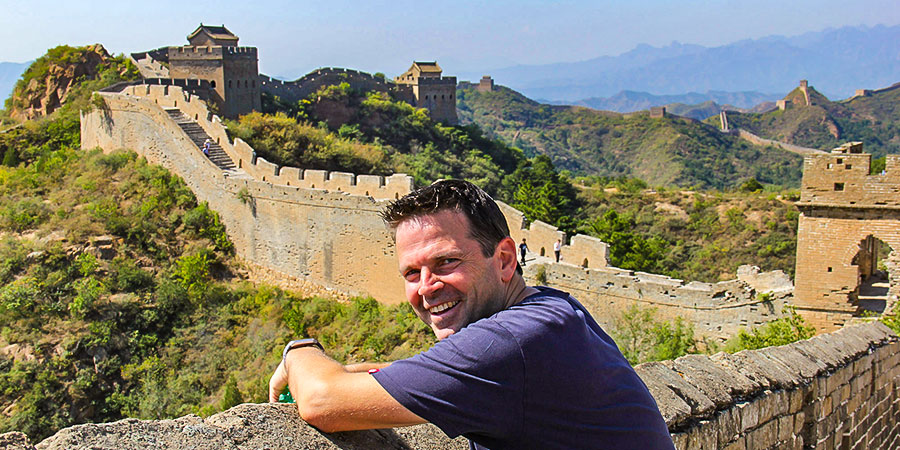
(309, 234)
(307, 224)
(839, 390)
(716, 310)
(302, 87)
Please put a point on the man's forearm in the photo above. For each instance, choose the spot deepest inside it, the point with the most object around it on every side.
(333, 398)
(365, 367)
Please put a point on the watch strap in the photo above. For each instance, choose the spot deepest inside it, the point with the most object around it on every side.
(299, 343)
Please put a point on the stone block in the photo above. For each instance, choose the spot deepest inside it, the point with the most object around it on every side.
(718, 384)
(664, 380)
(749, 414)
(794, 360)
(785, 428)
(768, 374)
(739, 444)
(763, 437)
(728, 426)
(680, 440)
(674, 409)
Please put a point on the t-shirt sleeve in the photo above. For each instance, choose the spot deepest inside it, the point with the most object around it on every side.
(471, 382)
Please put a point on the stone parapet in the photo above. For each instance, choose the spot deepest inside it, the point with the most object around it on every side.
(839, 390)
(715, 310)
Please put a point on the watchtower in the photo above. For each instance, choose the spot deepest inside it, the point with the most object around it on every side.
(424, 87)
(848, 237)
(232, 71)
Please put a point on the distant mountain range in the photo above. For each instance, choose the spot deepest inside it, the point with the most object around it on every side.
(9, 74)
(837, 61)
(693, 104)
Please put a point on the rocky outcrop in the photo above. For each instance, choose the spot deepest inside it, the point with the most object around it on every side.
(248, 426)
(48, 91)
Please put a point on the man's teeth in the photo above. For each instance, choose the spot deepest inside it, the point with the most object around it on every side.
(442, 307)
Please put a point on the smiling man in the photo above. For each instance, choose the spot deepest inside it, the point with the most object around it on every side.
(515, 366)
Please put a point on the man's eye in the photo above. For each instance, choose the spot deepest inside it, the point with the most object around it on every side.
(447, 261)
(411, 275)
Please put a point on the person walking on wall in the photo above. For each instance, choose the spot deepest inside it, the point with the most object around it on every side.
(515, 366)
(206, 145)
(522, 249)
(556, 248)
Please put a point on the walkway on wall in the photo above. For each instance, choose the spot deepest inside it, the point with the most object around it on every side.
(216, 153)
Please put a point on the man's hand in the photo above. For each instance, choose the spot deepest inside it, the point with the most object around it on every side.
(277, 383)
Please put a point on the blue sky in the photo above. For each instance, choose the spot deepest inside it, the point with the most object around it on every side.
(296, 37)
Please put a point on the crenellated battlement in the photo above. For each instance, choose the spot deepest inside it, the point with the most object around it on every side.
(841, 178)
(311, 82)
(245, 157)
(211, 52)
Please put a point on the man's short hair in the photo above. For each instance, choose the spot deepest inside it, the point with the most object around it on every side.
(487, 225)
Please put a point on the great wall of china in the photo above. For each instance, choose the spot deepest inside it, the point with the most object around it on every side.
(293, 225)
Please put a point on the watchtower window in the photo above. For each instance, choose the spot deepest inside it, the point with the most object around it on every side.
(838, 186)
(840, 161)
(229, 84)
(212, 84)
(829, 269)
(830, 165)
(849, 166)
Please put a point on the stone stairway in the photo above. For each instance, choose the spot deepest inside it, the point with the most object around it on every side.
(217, 154)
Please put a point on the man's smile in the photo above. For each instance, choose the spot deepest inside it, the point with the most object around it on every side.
(442, 307)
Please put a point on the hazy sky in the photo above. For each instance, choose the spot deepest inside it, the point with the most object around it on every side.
(296, 37)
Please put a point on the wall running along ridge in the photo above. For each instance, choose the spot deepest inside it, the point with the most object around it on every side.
(324, 226)
(837, 390)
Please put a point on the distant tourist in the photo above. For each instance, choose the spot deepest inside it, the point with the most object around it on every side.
(515, 366)
(206, 145)
(523, 247)
(556, 248)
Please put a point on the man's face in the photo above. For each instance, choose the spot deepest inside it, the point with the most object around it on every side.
(449, 283)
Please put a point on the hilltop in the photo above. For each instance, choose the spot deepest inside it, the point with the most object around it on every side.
(669, 151)
(824, 124)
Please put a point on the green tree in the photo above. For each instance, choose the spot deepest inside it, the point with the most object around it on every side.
(628, 249)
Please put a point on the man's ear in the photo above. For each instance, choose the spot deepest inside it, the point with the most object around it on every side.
(506, 256)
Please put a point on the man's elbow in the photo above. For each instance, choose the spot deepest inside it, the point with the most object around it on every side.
(317, 408)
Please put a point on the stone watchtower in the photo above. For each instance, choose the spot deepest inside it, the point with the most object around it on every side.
(232, 72)
(848, 236)
(424, 87)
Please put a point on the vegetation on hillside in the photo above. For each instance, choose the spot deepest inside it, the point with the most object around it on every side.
(670, 151)
(339, 128)
(872, 120)
(119, 293)
(691, 235)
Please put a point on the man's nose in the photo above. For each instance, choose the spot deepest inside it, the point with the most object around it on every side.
(429, 283)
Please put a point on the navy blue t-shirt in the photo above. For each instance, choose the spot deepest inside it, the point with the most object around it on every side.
(540, 374)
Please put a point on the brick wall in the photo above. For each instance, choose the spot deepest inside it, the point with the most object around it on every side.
(837, 390)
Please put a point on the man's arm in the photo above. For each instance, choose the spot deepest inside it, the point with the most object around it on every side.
(332, 398)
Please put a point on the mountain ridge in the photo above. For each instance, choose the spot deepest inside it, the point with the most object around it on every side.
(765, 64)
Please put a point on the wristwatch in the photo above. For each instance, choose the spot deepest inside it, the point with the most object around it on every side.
(298, 343)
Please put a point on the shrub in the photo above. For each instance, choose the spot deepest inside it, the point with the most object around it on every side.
(788, 329)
